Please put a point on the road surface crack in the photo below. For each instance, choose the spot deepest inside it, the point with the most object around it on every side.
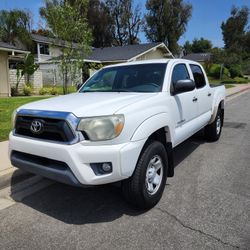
(197, 230)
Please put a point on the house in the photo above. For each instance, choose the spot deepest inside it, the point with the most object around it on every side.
(8, 52)
(47, 52)
(128, 53)
(198, 57)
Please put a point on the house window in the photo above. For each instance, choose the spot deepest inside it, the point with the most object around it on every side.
(44, 49)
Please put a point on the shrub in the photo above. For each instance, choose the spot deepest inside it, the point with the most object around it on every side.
(13, 91)
(53, 91)
(235, 70)
(229, 81)
(28, 84)
(241, 80)
(245, 66)
(238, 80)
(226, 72)
(214, 71)
(27, 90)
(43, 91)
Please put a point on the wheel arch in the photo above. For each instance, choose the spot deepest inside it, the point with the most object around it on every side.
(220, 104)
(162, 135)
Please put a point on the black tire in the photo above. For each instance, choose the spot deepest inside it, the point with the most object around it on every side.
(212, 131)
(135, 189)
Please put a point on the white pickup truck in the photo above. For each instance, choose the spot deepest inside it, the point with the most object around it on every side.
(121, 126)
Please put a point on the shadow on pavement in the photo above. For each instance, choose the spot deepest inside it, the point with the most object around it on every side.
(182, 151)
(94, 205)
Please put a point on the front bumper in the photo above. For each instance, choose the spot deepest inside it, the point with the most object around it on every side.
(76, 158)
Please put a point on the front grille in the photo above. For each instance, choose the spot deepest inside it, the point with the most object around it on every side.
(52, 129)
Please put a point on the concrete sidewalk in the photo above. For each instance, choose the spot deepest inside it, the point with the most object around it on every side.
(4, 162)
(7, 170)
(237, 89)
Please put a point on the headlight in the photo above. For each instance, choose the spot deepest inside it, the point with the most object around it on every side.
(103, 127)
(13, 118)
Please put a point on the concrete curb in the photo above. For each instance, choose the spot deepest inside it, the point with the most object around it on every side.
(16, 193)
(13, 176)
(239, 91)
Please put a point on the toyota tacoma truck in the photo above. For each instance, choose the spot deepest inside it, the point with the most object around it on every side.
(121, 126)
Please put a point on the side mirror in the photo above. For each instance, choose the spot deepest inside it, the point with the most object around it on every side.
(79, 85)
(184, 86)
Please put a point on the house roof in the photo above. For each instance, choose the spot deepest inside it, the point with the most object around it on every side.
(9, 47)
(50, 40)
(39, 38)
(198, 57)
(123, 53)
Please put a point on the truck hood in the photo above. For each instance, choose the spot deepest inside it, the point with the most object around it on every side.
(89, 104)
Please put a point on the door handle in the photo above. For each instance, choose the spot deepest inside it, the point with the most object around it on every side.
(195, 99)
(209, 94)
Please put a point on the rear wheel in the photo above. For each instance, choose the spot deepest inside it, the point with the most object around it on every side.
(144, 189)
(213, 130)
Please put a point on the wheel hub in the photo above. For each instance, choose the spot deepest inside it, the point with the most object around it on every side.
(218, 125)
(154, 174)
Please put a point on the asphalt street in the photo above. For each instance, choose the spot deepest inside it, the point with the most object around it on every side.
(205, 206)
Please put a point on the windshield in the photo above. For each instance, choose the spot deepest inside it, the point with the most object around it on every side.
(130, 78)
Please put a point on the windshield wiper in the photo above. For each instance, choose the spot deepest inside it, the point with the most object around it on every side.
(110, 90)
(90, 91)
(121, 90)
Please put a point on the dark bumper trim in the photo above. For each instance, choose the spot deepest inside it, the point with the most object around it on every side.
(55, 170)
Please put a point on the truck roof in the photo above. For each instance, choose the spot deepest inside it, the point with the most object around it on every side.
(152, 61)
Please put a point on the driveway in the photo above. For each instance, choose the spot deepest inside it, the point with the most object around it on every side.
(205, 206)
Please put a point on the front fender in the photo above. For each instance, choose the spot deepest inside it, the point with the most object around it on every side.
(152, 124)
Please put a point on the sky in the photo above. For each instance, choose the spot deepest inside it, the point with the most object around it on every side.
(205, 22)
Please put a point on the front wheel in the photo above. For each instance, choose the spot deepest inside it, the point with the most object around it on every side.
(144, 189)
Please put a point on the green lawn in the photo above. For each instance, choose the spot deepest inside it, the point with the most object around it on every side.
(228, 82)
(7, 106)
(228, 86)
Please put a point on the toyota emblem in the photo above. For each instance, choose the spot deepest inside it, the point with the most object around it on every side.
(36, 127)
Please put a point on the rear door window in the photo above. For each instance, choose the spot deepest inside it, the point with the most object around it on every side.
(198, 75)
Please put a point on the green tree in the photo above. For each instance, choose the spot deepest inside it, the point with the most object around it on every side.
(218, 55)
(15, 25)
(201, 45)
(198, 46)
(236, 36)
(187, 47)
(100, 22)
(68, 25)
(166, 21)
(235, 28)
(26, 67)
(127, 21)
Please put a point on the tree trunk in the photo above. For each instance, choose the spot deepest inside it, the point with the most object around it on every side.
(65, 81)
